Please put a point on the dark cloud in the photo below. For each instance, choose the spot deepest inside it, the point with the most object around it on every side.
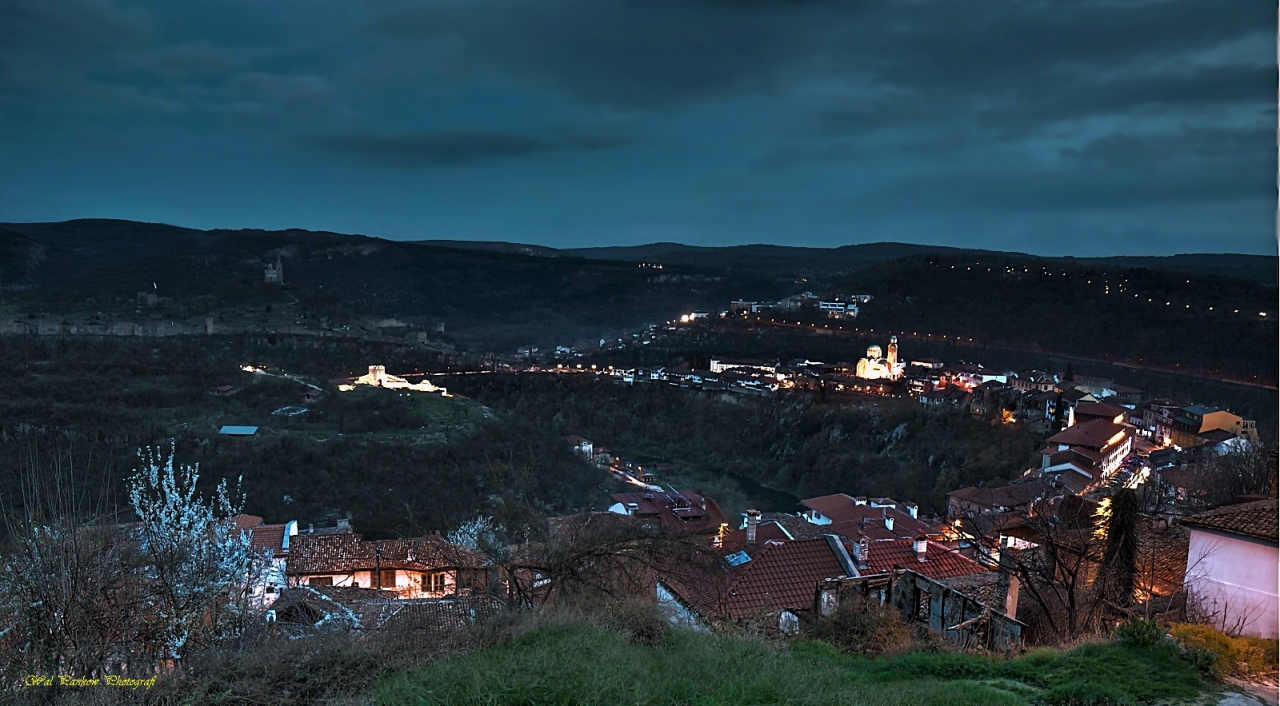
(1116, 172)
(451, 148)
(897, 115)
(631, 54)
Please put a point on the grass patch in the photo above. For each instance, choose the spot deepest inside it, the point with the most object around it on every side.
(1236, 656)
(583, 665)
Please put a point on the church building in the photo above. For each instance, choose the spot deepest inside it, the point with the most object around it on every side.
(878, 366)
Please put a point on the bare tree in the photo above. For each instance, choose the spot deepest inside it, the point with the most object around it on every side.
(68, 585)
(83, 593)
(1248, 469)
(1057, 567)
(585, 559)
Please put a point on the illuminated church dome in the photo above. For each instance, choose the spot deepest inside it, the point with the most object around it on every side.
(877, 367)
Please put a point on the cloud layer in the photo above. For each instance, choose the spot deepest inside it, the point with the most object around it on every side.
(1090, 127)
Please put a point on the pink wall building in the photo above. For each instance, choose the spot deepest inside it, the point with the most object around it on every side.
(1232, 567)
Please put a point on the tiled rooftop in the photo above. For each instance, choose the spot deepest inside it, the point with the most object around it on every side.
(268, 538)
(1257, 520)
(344, 553)
(940, 562)
(845, 512)
(1099, 410)
(1093, 433)
(1008, 496)
(684, 510)
(781, 576)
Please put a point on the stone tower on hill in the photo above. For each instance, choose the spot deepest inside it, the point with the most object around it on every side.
(274, 274)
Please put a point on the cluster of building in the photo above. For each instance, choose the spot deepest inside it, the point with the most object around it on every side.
(770, 567)
(776, 569)
(833, 306)
(744, 376)
(1223, 562)
(770, 564)
(640, 470)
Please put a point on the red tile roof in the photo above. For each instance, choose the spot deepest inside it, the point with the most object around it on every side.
(682, 511)
(1098, 410)
(1093, 434)
(845, 512)
(1073, 394)
(1010, 496)
(940, 562)
(345, 553)
(765, 531)
(247, 522)
(1257, 520)
(780, 576)
(268, 538)
(262, 537)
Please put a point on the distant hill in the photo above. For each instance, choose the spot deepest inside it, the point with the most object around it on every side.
(764, 258)
(1209, 323)
(1259, 268)
(491, 299)
(849, 258)
(801, 261)
(497, 296)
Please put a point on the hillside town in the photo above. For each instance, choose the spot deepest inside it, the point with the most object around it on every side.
(979, 564)
(793, 567)
(517, 353)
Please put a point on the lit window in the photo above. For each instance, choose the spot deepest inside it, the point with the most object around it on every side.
(433, 583)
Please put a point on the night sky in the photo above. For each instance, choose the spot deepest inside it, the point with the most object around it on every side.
(1077, 127)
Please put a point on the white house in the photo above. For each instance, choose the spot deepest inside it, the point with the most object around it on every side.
(1232, 567)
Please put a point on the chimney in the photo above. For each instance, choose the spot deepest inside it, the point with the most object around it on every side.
(862, 552)
(311, 529)
(888, 521)
(1006, 595)
(343, 523)
(912, 509)
(753, 518)
(922, 547)
(290, 529)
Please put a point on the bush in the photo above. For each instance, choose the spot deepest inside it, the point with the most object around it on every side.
(1137, 632)
(1206, 661)
(1235, 656)
(860, 626)
(641, 624)
(1085, 694)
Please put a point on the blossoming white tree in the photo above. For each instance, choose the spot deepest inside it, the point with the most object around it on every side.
(199, 565)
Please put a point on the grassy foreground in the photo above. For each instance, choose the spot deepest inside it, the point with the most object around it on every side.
(583, 665)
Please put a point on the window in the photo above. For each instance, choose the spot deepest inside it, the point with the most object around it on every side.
(923, 606)
(320, 581)
(433, 583)
(388, 578)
